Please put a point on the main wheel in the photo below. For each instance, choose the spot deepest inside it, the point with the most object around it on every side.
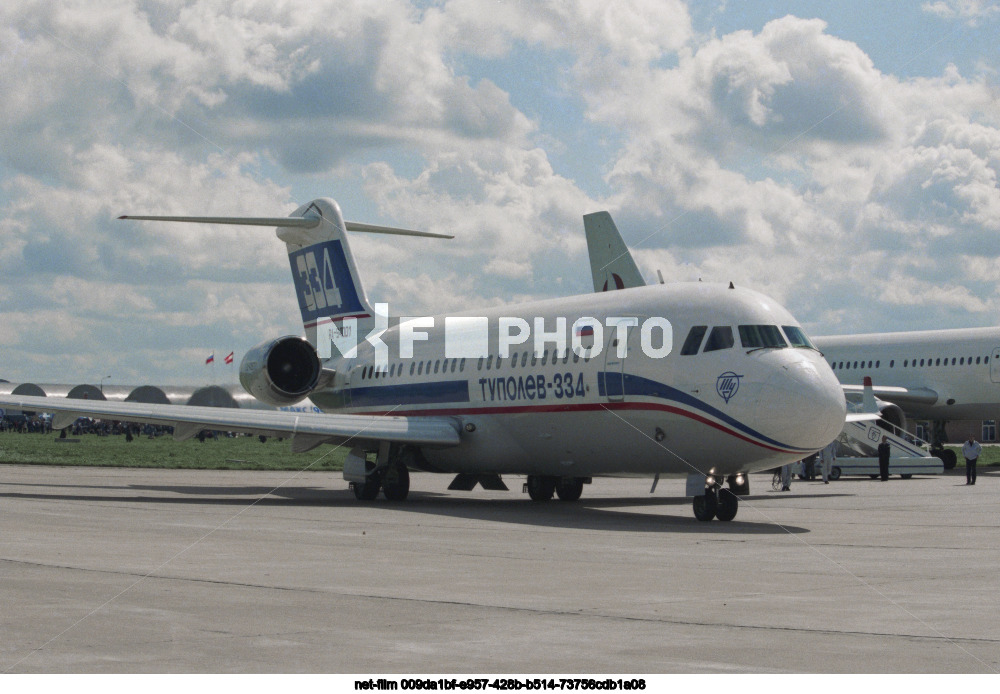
(541, 487)
(729, 504)
(569, 488)
(368, 490)
(906, 476)
(835, 473)
(396, 482)
(705, 506)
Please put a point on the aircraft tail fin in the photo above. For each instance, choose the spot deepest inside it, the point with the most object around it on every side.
(327, 283)
(611, 264)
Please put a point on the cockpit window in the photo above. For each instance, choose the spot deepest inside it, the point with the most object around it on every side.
(721, 337)
(796, 336)
(761, 336)
(693, 341)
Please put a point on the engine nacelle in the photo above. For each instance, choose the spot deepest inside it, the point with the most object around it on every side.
(281, 372)
(892, 413)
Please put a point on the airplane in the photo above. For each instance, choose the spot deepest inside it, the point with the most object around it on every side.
(599, 388)
(937, 375)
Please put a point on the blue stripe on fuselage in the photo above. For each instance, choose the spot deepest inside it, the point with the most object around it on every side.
(457, 392)
(644, 387)
(433, 393)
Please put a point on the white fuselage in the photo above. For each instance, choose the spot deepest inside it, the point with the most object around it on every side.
(722, 411)
(962, 367)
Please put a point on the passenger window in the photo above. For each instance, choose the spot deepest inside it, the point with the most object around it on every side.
(693, 341)
(721, 337)
(461, 365)
(513, 360)
(420, 368)
(524, 359)
(489, 362)
(437, 365)
(761, 336)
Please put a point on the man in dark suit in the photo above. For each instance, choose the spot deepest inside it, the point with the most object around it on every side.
(883, 458)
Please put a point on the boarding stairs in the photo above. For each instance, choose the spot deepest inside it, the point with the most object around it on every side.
(857, 451)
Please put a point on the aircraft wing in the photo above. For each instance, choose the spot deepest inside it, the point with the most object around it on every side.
(306, 429)
(861, 416)
(898, 395)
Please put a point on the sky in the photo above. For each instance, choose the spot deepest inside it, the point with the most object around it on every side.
(840, 157)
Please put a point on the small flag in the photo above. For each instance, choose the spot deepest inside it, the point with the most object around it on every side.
(211, 358)
(229, 358)
(585, 331)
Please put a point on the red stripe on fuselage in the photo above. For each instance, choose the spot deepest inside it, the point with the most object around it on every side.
(590, 407)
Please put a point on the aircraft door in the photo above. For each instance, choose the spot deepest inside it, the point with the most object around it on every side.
(614, 362)
(995, 366)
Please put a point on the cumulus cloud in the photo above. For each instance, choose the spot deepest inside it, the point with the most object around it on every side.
(971, 11)
(781, 159)
(790, 145)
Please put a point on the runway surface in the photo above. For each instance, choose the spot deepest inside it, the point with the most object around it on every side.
(110, 570)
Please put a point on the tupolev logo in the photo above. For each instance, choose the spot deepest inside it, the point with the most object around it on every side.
(727, 384)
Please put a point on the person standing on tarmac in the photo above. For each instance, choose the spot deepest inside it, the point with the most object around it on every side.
(971, 451)
(786, 478)
(828, 456)
(883, 458)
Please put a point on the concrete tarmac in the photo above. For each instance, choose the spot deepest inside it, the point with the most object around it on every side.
(112, 570)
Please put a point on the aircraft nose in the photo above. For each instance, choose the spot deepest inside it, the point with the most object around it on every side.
(804, 405)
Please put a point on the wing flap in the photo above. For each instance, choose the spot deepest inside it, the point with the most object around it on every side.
(189, 420)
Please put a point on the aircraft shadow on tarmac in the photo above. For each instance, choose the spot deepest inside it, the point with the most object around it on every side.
(634, 514)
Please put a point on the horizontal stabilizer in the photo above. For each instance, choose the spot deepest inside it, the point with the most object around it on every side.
(296, 222)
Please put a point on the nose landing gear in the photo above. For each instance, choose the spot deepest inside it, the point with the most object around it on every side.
(717, 502)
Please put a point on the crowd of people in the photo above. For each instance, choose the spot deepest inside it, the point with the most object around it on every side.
(83, 425)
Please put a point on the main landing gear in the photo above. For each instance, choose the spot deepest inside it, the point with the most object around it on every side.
(543, 487)
(717, 502)
(392, 479)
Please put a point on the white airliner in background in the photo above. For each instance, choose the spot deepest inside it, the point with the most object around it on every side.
(754, 396)
(938, 375)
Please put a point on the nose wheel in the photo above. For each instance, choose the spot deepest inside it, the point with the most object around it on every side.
(717, 502)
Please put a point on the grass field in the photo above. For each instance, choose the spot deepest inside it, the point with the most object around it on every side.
(990, 455)
(240, 453)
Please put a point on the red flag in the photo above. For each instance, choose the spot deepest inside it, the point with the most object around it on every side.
(229, 358)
